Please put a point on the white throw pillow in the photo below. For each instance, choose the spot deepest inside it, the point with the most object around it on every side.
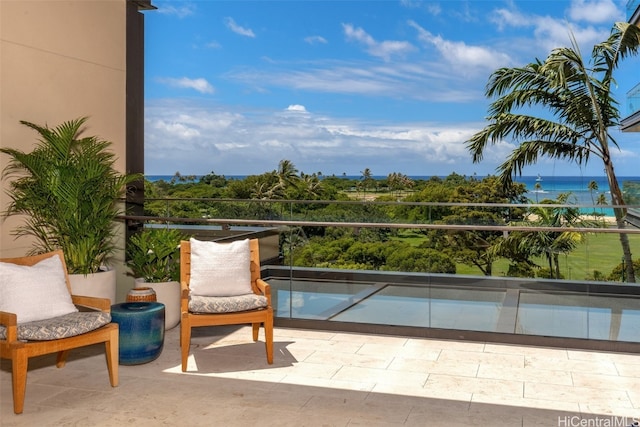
(220, 269)
(35, 292)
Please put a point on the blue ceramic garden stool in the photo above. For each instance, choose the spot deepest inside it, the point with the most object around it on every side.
(141, 331)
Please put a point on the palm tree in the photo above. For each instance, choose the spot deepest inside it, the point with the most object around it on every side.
(367, 178)
(602, 201)
(582, 110)
(537, 187)
(521, 246)
(312, 187)
(287, 172)
(67, 191)
(593, 186)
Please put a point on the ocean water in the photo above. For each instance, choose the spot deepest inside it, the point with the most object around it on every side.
(548, 187)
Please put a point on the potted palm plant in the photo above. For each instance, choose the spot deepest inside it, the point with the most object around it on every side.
(153, 255)
(68, 191)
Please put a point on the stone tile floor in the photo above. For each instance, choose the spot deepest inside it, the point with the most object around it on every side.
(333, 379)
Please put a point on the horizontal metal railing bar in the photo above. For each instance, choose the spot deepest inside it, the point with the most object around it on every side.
(399, 203)
(454, 227)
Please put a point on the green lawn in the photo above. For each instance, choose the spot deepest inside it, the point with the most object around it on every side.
(598, 252)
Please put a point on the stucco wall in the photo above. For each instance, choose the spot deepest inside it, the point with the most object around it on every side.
(60, 60)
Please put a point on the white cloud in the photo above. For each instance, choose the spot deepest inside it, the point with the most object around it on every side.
(315, 40)
(198, 139)
(200, 84)
(296, 107)
(231, 24)
(185, 9)
(595, 11)
(432, 8)
(460, 54)
(384, 50)
(550, 32)
(509, 18)
(417, 80)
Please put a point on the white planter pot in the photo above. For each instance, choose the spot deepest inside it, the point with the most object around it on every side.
(101, 285)
(168, 293)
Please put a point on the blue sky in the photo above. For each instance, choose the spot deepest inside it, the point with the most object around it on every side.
(336, 86)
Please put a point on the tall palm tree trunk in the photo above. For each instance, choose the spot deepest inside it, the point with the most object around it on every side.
(620, 213)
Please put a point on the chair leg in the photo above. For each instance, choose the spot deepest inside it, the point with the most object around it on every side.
(185, 341)
(61, 358)
(111, 348)
(19, 364)
(256, 330)
(268, 338)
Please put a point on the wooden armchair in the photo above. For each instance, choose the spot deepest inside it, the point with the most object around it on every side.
(253, 307)
(21, 340)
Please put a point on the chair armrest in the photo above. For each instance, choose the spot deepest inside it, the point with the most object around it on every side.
(102, 304)
(184, 297)
(265, 288)
(10, 321)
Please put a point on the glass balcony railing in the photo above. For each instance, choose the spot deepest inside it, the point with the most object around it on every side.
(350, 266)
(633, 98)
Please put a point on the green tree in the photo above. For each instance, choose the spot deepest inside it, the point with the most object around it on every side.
(367, 179)
(521, 246)
(578, 97)
(537, 188)
(287, 174)
(602, 201)
(470, 246)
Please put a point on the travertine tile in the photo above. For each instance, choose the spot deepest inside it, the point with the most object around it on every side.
(486, 386)
(606, 356)
(628, 370)
(328, 379)
(525, 374)
(321, 386)
(447, 393)
(503, 360)
(326, 345)
(350, 359)
(559, 353)
(355, 373)
(374, 411)
(522, 404)
(634, 396)
(448, 344)
(599, 409)
(381, 349)
(315, 370)
(370, 339)
(434, 367)
(587, 366)
(573, 394)
(419, 352)
(607, 382)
